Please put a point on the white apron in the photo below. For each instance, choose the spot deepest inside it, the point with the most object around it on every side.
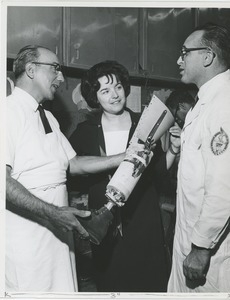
(38, 257)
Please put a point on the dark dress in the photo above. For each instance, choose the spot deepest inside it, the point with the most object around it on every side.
(136, 262)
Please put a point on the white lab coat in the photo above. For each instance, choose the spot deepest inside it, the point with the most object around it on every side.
(39, 258)
(203, 193)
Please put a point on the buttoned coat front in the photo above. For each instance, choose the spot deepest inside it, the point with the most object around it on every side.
(203, 193)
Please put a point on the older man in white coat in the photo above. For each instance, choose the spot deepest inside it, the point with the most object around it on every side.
(201, 252)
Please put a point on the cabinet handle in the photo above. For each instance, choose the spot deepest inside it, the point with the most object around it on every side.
(77, 54)
(56, 50)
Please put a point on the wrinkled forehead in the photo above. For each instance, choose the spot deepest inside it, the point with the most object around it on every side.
(47, 56)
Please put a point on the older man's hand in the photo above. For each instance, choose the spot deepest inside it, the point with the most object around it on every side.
(65, 218)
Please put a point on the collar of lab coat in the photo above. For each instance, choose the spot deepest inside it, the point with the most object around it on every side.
(209, 89)
(206, 93)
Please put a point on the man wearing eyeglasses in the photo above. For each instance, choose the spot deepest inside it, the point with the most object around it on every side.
(201, 252)
(39, 223)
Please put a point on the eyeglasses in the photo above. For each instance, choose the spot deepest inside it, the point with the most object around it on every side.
(56, 66)
(185, 50)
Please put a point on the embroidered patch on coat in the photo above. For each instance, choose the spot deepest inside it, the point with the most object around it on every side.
(219, 142)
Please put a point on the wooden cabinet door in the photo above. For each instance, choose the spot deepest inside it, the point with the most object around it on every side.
(164, 31)
(89, 36)
(126, 22)
(34, 25)
(220, 16)
(95, 34)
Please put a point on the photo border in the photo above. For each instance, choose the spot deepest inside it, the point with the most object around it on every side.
(3, 55)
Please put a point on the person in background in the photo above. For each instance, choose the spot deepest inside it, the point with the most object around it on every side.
(132, 256)
(201, 260)
(179, 103)
(39, 222)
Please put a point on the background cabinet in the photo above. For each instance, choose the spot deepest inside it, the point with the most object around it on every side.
(164, 31)
(126, 37)
(88, 34)
(216, 15)
(95, 34)
(34, 25)
(147, 41)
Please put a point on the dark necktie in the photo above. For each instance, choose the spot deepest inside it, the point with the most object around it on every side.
(45, 122)
(196, 99)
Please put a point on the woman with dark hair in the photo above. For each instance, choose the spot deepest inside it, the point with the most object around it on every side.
(132, 257)
(90, 83)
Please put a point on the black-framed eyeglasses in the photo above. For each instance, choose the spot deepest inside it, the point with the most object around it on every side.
(56, 66)
(185, 50)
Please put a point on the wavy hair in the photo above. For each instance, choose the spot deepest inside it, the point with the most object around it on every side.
(90, 84)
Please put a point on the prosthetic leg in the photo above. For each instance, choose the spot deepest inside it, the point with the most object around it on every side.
(155, 120)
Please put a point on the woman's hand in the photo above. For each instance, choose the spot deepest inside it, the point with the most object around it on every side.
(175, 133)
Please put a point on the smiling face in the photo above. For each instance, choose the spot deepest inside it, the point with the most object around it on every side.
(46, 79)
(192, 65)
(111, 95)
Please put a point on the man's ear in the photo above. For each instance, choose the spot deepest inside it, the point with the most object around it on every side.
(208, 58)
(29, 70)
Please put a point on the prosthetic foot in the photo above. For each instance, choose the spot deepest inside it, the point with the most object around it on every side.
(97, 224)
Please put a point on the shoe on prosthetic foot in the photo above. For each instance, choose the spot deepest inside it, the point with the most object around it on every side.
(97, 224)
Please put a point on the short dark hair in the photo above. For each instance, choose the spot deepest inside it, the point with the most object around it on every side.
(217, 38)
(179, 96)
(90, 84)
(26, 54)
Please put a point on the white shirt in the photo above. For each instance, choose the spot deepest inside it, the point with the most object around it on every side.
(36, 158)
(116, 141)
(39, 257)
